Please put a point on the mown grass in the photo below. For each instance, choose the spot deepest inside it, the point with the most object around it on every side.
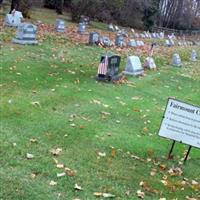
(66, 89)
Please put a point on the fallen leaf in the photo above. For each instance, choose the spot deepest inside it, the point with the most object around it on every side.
(52, 183)
(29, 156)
(77, 187)
(61, 174)
(56, 151)
(140, 194)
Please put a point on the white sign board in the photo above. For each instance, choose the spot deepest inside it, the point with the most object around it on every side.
(181, 122)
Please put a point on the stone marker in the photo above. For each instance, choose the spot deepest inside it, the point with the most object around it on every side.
(162, 35)
(60, 25)
(149, 63)
(93, 38)
(137, 35)
(176, 60)
(119, 41)
(26, 34)
(117, 28)
(108, 69)
(111, 27)
(106, 41)
(81, 28)
(133, 66)
(193, 57)
(132, 43)
(13, 19)
(172, 43)
(167, 43)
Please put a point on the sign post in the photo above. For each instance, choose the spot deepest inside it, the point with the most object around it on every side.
(181, 123)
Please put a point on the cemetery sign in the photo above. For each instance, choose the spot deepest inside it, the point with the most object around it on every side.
(181, 123)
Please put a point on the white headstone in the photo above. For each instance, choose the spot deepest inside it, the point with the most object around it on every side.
(176, 60)
(81, 28)
(149, 63)
(133, 66)
(167, 43)
(13, 19)
(193, 57)
(111, 27)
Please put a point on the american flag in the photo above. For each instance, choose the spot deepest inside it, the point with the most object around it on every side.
(102, 69)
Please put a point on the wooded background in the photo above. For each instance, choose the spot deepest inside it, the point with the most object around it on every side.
(142, 14)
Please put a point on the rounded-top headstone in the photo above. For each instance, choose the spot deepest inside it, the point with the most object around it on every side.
(176, 60)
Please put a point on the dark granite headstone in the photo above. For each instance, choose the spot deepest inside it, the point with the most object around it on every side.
(112, 74)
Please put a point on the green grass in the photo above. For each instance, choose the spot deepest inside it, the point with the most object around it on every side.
(64, 88)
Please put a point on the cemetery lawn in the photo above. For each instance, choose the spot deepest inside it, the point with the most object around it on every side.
(108, 133)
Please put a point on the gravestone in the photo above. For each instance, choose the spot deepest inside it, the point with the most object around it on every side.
(93, 38)
(117, 28)
(154, 35)
(13, 19)
(180, 43)
(111, 27)
(26, 34)
(105, 41)
(139, 43)
(137, 35)
(172, 43)
(176, 60)
(162, 35)
(60, 25)
(167, 43)
(81, 27)
(85, 20)
(132, 43)
(133, 66)
(149, 63)
(119, 41)
(109, 68)
(193, 57)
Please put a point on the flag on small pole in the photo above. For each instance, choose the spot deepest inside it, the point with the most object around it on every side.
(102, 69)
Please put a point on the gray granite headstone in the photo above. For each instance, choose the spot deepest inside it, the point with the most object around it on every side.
(119, 41)
(176, 60)
(81, 28)
(149, 63)
(132, 43)
(133, 66)
(193, 57)
(106, 41)
(93, 38)
(13, 19)
(60, 25)
(26, 34)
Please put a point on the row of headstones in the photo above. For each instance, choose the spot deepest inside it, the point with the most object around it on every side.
(95, 38)
(26, 32)
(171, 42)
(149, 35)
(60, 26)
(133, 66)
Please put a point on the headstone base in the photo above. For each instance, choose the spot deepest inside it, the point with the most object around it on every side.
(109, 78)
(136, 73)
(24, 42)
